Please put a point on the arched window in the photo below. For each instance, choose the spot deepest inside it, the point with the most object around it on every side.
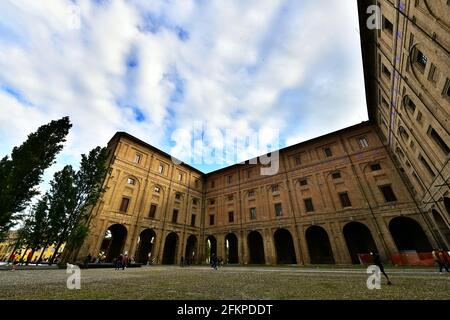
(403, 133)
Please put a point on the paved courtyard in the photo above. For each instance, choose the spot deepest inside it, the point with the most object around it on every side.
(239, 283)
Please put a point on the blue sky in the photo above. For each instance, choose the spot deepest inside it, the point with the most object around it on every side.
(153, 68)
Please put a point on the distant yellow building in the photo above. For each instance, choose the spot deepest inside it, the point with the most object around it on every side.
(9, 244)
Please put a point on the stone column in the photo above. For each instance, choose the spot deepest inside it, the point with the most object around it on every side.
(244, 247)
(221, 246)
(339, 246)
(297, 249)
(302, 243)
(269, 247)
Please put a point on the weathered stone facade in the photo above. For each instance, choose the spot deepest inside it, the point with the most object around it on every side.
(349, 213)
(380, 185)
(407, 72)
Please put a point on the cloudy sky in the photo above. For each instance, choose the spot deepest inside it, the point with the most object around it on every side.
(156, 68)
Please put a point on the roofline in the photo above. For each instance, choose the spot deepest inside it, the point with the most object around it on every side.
(289, 148)
(122, 134)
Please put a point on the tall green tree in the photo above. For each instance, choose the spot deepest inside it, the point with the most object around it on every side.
(72, 195)
(22, 172)
(36, 226)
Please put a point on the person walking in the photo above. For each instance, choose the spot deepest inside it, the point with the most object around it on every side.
(437, 259)
(440, 258)
(446, 258)
(119, 261)
(182, 261)
(125, 261)
(214, 261)
(379, 264)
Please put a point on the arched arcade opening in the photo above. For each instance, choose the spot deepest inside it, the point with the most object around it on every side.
(191, 249)
(231, 249)
(144, 252)
(256, 248)
(408, 235)
(211, 248)
(170, 249)
(359, 240)
(113, 242)
(284, 246)
(319, 246)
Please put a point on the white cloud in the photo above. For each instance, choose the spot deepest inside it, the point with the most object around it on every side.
(226, 63)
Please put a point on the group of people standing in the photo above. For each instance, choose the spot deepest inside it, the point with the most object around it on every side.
(122, 261)
(442, 259)
(216, 261)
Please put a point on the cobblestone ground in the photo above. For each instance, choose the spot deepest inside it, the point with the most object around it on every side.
(239, 283)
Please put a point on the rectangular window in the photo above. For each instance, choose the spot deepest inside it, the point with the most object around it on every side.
(345, 200)
(411, 106)
(363, 143)
(212, 201)
(251, 194)
(298, 160)
(388, 26)
(249, 174)
(422, 59)
(275, 188)
(419, 117)
(157, 189)
(196, 183)
(180, 177)
(447, 90)
(438, 140)
(213, 184)
(375, 167)
(303, 182)
(177, 196)
(278, 210)
(253, 214)
(388, 194)
(434, 75)
(229, 179)
(137, 158)
(131, 181)
(175, 216)
(384, 102)
(161, 168)
(193, 220)
(231, 216)
(336, 175)
(309, 205)
(211, 219)
(328, 152)
(386, 71)
(427, 166)
(230, 197)
(194, 202)
(124, 205)
(152, 212)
